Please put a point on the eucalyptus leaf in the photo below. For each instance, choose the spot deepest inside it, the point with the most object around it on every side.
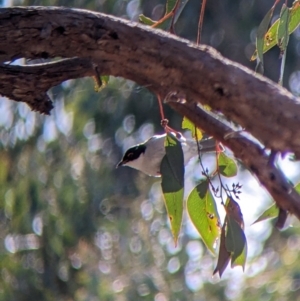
(172, 173)
(261, 32)
(174, 206)
(297, 187)
(271, 212)
(224, 256)
(236, 242)
(227, 165)
(282, 32)
(145, 20)
(270, 38)
(172, 166)
(202, 210)
(233, 210)
(170, 5)
(187, 124)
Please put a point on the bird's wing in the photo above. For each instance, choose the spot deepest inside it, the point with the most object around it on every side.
(155, 151)
(190, 148)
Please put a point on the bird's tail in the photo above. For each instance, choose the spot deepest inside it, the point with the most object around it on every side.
(206, 146)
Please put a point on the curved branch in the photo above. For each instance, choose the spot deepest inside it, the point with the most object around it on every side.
(159, 60)
(164, 63)
(30, 83)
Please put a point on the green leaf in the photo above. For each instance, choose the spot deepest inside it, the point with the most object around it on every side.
(174, 206)
(187, 124)
(236, 242)
(227, 166)
(203, 212)
(240, 260)
(294, 16)
(170, 5)
(297, 187)
(172, 166)
(233, 209)
(270, 39)
(145, 20)
(172, 173)
(261, 32)
(224, 255)
(271, 212)
(101, 83)
(282, 32)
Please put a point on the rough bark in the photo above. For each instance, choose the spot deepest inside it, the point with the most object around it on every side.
(30, 83)
(159, 60)
(164, 63)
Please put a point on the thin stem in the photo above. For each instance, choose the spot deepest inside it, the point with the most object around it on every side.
(200, 23)
(202, 166)
(161, 109)
(167, 16)
(164, 18)
(172, 29)
(227, 191)
(276, 2)
(164, 121)
(280, 82)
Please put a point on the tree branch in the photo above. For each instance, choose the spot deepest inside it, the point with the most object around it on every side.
(162, 62)
(250, 153)
(30, 83)
(159, 60)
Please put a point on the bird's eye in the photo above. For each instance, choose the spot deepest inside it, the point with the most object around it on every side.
(129, 155)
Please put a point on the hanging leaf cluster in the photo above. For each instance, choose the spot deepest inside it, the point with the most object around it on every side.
(278, 33)
(201, 203)
(202, 208)
(233, 244)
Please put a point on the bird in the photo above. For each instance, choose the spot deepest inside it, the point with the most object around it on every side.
(147, 156)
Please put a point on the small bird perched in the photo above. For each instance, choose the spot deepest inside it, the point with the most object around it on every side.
(147, 156)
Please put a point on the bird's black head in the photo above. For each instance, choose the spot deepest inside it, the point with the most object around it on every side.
(132, 154)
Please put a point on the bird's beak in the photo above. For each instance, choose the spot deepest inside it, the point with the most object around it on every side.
(121, 163)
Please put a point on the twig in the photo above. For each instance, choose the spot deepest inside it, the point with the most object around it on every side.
(167, 16)
(172, 29)
(200, 23)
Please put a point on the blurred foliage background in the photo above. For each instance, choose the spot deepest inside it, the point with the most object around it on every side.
(75, 228)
